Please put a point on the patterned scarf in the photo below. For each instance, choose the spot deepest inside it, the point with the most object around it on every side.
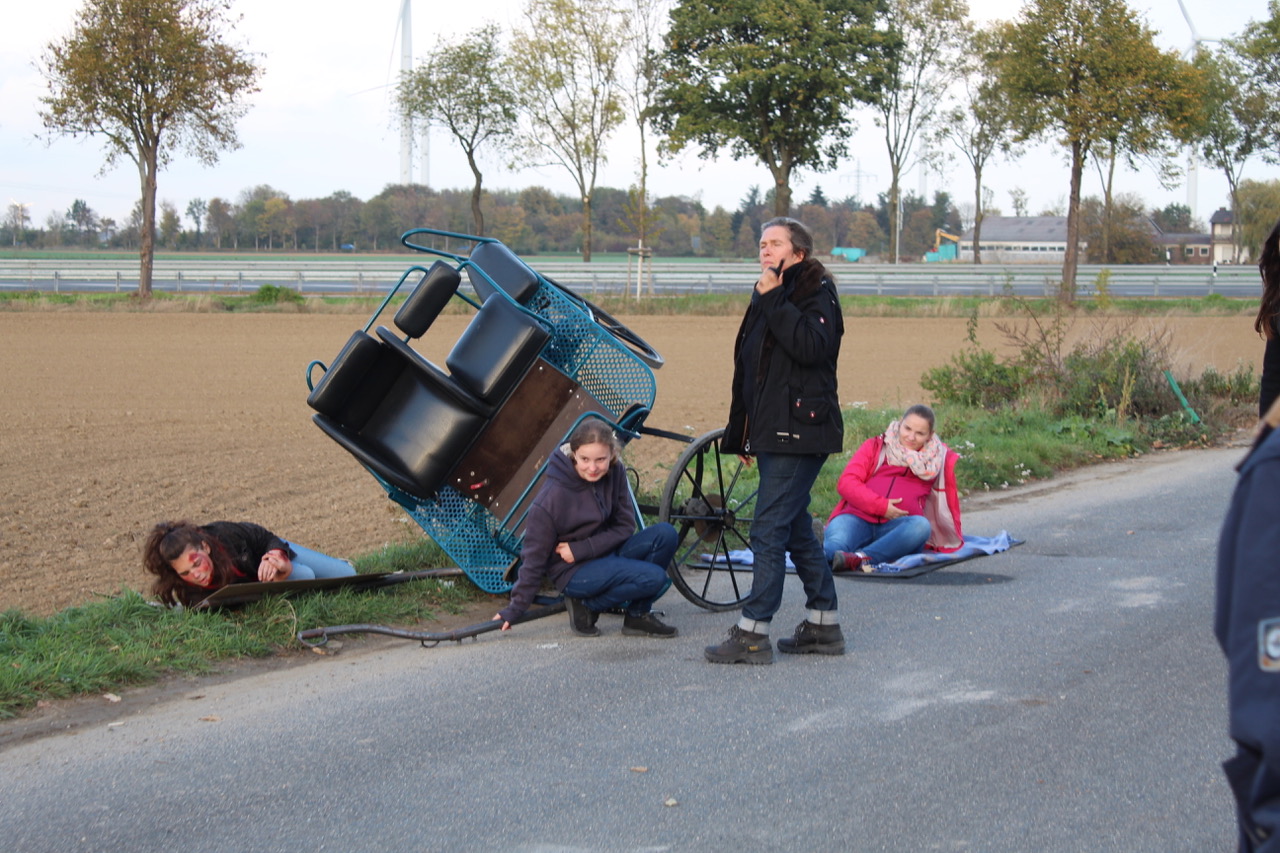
(925, 463)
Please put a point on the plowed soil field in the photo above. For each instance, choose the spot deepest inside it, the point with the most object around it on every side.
(112, 421)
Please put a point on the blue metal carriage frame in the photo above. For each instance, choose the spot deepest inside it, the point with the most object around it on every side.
(485, 544)
(586, 364)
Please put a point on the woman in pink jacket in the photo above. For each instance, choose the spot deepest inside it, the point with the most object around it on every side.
(897, 496)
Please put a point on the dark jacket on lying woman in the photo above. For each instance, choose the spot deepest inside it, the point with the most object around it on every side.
(245, 543)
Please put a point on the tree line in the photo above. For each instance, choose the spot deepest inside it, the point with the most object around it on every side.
(780, 82)
(535, 220)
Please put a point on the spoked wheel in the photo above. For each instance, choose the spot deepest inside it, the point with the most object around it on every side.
(710, 499)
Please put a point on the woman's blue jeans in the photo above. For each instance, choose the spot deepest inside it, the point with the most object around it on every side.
(782, 524)
(634, 576)
(309, 565)
(882, 543)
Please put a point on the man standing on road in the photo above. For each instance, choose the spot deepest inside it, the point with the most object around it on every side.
(784, 412)
(1247, 624)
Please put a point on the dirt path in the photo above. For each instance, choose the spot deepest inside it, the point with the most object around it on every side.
(112, 421)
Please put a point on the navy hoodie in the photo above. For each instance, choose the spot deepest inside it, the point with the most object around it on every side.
(594, 518)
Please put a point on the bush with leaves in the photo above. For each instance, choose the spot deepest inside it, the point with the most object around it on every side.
(271, 294)
(1114, 375)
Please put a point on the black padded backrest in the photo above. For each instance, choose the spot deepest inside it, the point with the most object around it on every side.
(427, 299)
(355, 382)
(508, 271)
(496, 349)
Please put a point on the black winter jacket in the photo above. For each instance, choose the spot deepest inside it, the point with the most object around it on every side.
(793, 406)
(246, 542)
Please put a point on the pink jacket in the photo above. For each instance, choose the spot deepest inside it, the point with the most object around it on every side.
(940, 504)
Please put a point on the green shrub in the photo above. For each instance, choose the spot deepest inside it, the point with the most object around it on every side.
(975, 377)
(1238, 387)
(271, 294)
(1116, 379)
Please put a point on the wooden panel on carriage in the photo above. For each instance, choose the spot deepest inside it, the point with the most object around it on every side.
(516, 444)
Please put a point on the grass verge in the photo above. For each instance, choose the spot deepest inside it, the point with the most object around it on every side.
(127, 640)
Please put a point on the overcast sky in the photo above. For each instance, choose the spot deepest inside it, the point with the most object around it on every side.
(323, 121)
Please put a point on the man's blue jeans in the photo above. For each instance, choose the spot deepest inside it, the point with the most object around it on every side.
(782, 524)
(882, 543)
(634, 576)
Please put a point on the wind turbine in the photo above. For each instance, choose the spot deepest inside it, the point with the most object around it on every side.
(406, 65)
(1192, 165)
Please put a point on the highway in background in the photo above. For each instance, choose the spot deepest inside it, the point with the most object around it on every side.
(363, 276)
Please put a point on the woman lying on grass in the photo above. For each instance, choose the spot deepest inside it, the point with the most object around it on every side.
(191, 561)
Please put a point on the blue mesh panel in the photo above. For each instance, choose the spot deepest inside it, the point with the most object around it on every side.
(589, 354)
(467, 532)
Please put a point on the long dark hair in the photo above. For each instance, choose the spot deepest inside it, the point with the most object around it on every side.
(1269, 266)
(165, 543)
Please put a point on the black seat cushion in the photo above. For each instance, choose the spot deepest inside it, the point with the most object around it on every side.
(401, 417)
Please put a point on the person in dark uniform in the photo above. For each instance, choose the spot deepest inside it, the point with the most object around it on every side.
(1247, 625)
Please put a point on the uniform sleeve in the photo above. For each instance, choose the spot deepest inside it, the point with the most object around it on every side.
(1248, 613)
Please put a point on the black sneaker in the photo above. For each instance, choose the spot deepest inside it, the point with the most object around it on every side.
(647, 625)
(582, 619)
(811, 639)
(741, 647)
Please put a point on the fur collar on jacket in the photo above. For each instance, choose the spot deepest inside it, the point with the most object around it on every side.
(805, 278)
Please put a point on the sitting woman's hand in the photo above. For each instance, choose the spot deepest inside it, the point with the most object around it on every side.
(565, 552)
(506, 626)
(892, 511)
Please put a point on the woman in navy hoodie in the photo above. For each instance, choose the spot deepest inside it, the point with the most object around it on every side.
(581, 533)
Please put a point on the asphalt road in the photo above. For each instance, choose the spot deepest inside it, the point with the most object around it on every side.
(1064, 696)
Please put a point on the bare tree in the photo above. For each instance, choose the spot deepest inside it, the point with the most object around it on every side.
(978, 126)
(463, 88)
(933, 32)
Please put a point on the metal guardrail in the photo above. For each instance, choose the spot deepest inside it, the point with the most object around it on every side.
(372, 277)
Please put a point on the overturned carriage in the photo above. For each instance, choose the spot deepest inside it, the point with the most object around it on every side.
(462, 446)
